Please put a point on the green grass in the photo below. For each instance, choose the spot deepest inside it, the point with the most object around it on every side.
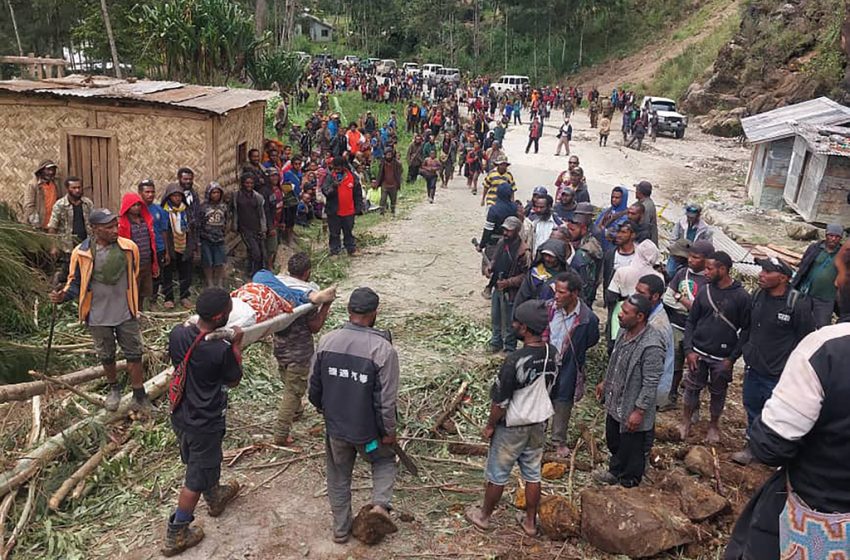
(677, 74)
(696, 23)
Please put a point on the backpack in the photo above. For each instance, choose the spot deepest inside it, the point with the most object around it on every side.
(178, 378)
(531, 404)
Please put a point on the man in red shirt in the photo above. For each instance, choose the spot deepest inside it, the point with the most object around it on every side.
(344, 198)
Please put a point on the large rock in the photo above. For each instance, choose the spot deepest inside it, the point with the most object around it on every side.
(802, 231)
(637, 522)
(370, 527)
(552, 471)
(559, 519)
(699, 460)
(697, 501)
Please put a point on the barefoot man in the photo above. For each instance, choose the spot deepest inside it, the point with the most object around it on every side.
(713, 342)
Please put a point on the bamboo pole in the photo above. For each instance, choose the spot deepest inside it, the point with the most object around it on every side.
(23, 391)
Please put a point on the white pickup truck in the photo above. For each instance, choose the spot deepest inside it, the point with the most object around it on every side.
(669, 118)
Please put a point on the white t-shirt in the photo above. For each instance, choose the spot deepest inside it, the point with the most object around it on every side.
(621, 259)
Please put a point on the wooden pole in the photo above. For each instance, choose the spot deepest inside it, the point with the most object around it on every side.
(15, 27)
(23, 391)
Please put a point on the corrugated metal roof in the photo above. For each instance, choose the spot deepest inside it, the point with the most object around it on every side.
(828, 140)
(776, 124)
(207, 99)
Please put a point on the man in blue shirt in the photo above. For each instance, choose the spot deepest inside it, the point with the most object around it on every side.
(147, 190)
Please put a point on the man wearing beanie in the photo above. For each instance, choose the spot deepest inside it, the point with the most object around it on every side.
(197, 416)
(354, 384)
(816, 275)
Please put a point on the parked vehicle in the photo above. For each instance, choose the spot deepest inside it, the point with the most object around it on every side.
(430, 70)
(349, 60)
(386, 66)
(410, 68)
(324, 59)
(669, 118)
(448, 75)
(510, 83)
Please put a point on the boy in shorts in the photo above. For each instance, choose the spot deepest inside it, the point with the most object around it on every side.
(214, 221)
(198, 418)
(520, 444)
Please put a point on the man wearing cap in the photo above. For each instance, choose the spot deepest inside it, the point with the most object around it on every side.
(41, 195)
(498, 176)
(629, 393)
(565, 134)
(691, 227)
(712, 343)
(508, 264)
(588, 246)
(69, 221)
(354, 384)
(516, 425)
(566, 205)
(643, 193)
(779, 319)
(816, 275)
(679, 298)
(103, 278)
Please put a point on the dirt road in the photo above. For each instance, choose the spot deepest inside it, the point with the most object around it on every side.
(426, 261)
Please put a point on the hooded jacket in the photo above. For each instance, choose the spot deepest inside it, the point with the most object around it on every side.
(626, 278)
(124, 229)
(608, 221)
(330, 188)
(169, 238)
(537, 283)
(703, 232)
(497, 213)
(210, 214)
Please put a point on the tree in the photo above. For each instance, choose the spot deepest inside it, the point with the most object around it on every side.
(112, 48)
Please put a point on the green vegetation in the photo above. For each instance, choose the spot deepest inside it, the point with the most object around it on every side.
(677, 74)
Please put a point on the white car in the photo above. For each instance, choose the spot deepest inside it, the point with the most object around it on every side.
(349, 60)
(410, 68)
(669, 118)
(386, 66)
(510, 83)
(430, 70)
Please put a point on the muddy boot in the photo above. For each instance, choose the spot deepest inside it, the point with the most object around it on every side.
(180, 536)
(113, 399)
(143, 405)
(218, 498)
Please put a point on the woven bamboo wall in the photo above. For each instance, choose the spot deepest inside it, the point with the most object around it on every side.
(31, 135)
(242, 125)
(155, 146)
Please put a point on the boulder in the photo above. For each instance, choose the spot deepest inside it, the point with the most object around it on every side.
(801, 231)
(698, 502)
(699, 460)
(559, 518)
(637, 522)
(552, 471)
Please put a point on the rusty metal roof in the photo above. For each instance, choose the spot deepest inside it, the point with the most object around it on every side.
(206, 99)
(828, 140)
(778, 123)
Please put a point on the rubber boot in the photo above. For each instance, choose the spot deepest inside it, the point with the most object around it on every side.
(218, 498)
(113, 399)
(180, 536)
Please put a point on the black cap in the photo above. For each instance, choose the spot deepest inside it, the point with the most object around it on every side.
(533, 314)
(363, 300)
(773, 264)
(702, 247)
(101, 216)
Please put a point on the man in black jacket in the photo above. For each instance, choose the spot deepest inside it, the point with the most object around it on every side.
(509, 262)
(804, 428)
(712, 343)
(780, 318)
(354, 384)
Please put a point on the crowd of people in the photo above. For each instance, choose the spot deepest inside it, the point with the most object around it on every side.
(554, 265)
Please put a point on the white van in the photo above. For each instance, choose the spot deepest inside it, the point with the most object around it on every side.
(386, 66)
(448, 75)
(510, 83)
(430, 70)
(410, 68)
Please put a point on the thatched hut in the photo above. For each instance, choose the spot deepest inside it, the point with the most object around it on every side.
(113, 133)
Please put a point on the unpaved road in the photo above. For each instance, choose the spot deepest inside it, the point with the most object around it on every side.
(426, 261)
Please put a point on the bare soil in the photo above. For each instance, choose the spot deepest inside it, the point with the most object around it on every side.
(427, 262)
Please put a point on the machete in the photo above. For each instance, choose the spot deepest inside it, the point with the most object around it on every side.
(405, 459)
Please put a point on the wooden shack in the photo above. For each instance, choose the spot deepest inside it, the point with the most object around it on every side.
(818, 182)
(113, 133)
(772, 136)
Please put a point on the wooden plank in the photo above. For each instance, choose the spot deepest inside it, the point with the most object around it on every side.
(85, 160)
(113, 166)
(97, 177)
(33, 60)
(785, 251)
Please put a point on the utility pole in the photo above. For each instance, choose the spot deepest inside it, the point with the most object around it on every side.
(109, 35)
(506, 38)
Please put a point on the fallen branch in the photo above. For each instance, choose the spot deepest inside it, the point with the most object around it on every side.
(453, 405)
(23, 391)
(572, 469)
(592, 449)
(97, 401)
(287, 461)
(718, 486)
(80, 474)
(128, 449)
(22, 521)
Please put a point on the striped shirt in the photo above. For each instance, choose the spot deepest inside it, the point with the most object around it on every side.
(492, 182)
